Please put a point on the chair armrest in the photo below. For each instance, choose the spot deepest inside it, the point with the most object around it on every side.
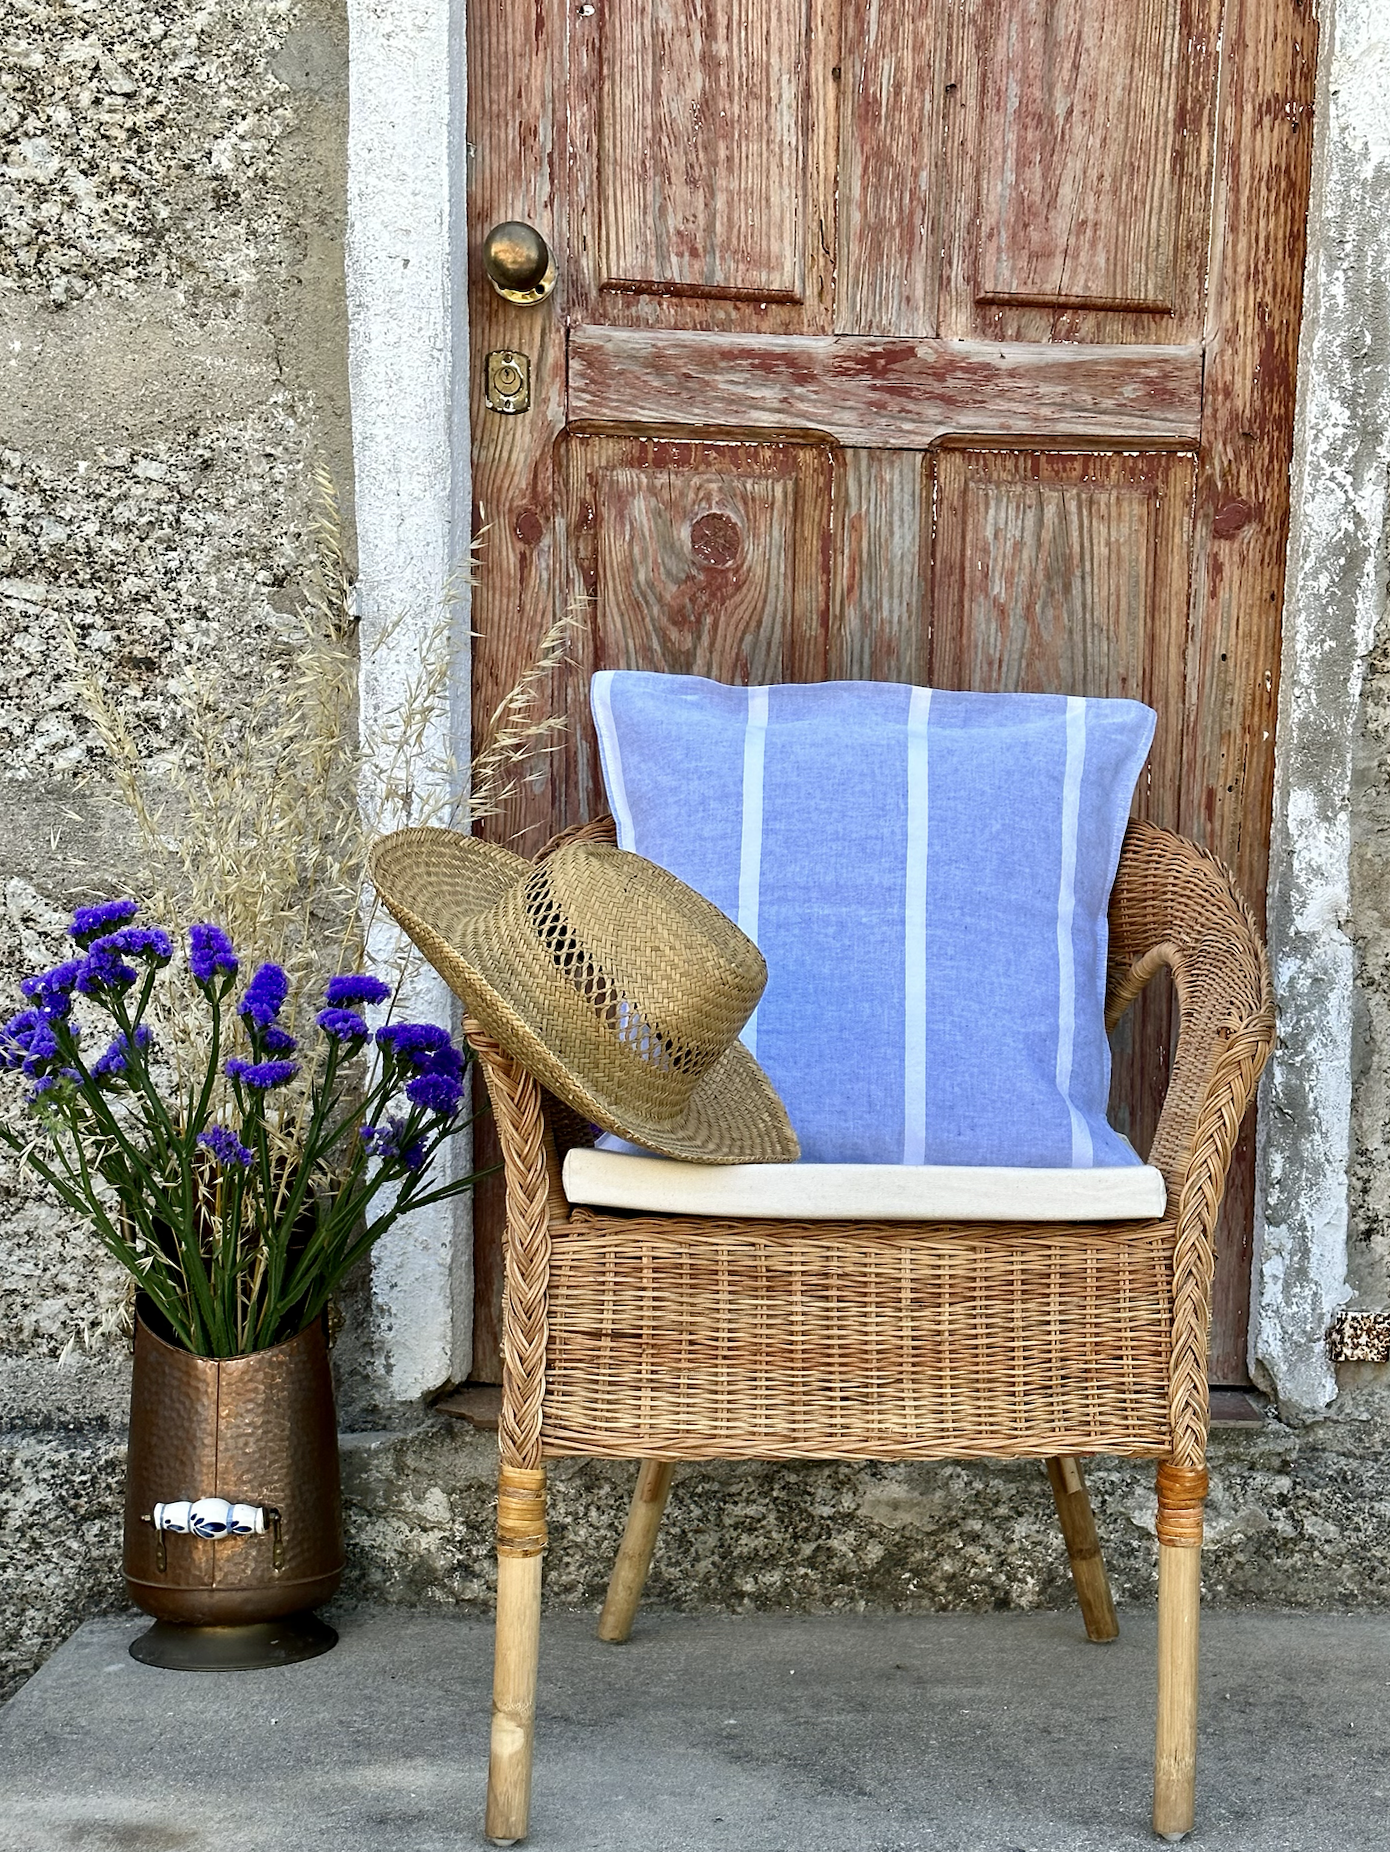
(1174, 904)
(534, 1196)
(528, 1122)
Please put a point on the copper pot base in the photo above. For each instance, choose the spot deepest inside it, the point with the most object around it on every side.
(247, 1648)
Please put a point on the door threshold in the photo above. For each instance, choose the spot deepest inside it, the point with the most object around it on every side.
(479, 1404)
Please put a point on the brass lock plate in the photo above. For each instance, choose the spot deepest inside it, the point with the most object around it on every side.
(507, 381)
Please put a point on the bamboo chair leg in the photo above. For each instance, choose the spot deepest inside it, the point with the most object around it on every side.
(1181, 1491)
(634, 1556)
(520, 1543)
(1083, 1547)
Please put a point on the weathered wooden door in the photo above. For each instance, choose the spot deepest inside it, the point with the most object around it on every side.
(945, 341)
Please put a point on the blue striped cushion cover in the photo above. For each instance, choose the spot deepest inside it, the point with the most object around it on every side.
(927, 875)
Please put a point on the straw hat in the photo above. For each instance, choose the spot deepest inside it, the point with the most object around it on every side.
(620, 988)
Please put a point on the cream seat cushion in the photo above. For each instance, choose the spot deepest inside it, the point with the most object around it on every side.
(865, 1192)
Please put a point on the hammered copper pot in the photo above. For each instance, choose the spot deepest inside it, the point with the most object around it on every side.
(255, 1430)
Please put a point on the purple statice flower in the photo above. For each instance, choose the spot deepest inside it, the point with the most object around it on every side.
(277, 1041)
(262, 1075)
(49, 1083)
(439, 1093)
(384, 1143)
(103, 970)
(51, 991)
(413, 1042)
(90, 923)
(150, 942)
(14, 1037)
(343, 1025)
(113, 1062)
(355, 987)
(225, 1146)
(210, 952)
(27, 1041)
(265, 995)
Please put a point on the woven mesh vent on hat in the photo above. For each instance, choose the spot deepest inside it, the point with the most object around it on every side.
(605, 993)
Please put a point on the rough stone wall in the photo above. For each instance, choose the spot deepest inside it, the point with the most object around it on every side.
(1295, 1519)
(174, 358)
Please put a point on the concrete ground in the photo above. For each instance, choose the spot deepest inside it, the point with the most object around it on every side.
(838, 1733)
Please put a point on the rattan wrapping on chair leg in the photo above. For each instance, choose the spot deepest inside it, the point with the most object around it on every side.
(521, 1511)
(1182, 1491)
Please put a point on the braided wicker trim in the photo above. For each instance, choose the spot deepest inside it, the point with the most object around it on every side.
(1174, 904)
(1181, 1493)
(520, 1512)
(531, 1175)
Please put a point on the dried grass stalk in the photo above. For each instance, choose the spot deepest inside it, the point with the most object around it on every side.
(262, 819)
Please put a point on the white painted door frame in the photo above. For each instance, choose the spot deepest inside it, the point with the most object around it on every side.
(407, 292)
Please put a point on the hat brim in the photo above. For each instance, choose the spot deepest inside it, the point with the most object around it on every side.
(436, 883)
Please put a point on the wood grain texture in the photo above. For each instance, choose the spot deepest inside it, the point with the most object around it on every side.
(1242, 509)
(1077, 169)
(1076, 154)
(889, 250)
(703, 146)
(880, 631)
(702, 164)
(699, 559)
(1068, 575)
(880, 394)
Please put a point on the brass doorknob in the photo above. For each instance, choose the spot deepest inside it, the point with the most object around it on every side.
(518, 262)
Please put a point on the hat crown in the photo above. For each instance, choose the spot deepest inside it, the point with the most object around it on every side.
(663, 980)
(611, 983)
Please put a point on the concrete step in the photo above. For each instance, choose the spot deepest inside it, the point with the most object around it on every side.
(756, 1733)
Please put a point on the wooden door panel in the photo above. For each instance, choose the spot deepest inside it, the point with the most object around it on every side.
(1078, 169)
(881, 626)
(703, 148)
(703, 183)
(1067, 574)
(879, 394)
(698, 559)
(892, 73)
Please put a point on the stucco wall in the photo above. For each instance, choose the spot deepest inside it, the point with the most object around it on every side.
(175, 334)
(174, 352)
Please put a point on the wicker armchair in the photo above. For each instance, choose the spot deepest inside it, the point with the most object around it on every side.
(665, 1338)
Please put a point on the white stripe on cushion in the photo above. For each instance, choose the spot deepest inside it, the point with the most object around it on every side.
(610, 753)
(915, 934)
(751, 844)
(1081, 1150)
(864, 1192)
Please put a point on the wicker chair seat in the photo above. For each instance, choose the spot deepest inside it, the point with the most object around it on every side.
(685, 1339)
